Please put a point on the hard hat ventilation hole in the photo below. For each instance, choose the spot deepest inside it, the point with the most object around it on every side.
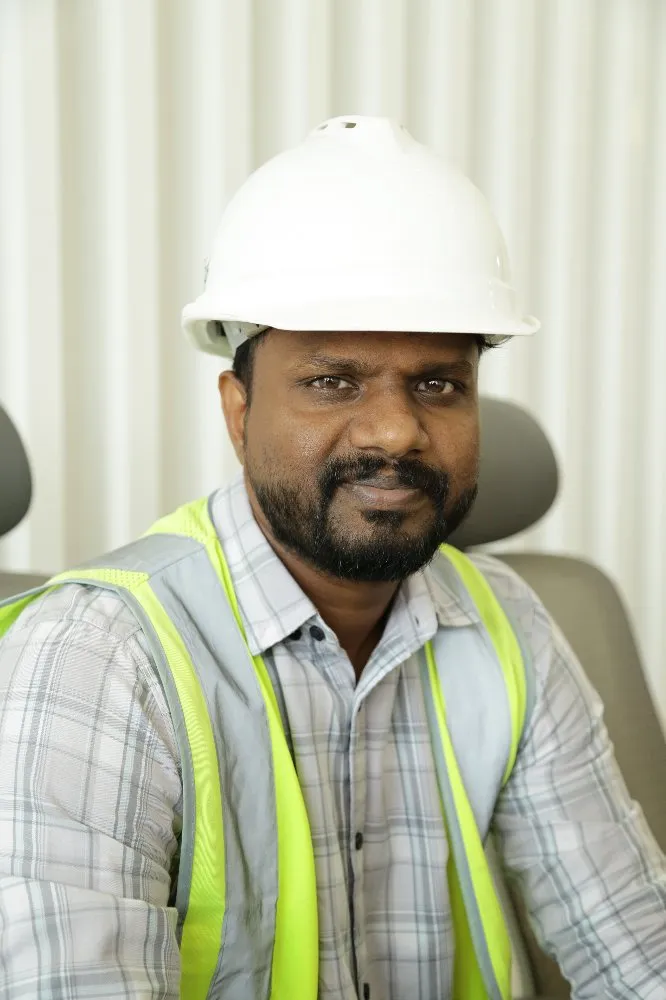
(350, 124)
(320, 128)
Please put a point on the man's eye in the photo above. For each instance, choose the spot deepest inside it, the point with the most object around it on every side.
(437, 387)
(330, 382)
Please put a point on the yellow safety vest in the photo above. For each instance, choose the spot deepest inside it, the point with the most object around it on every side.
(482, 967)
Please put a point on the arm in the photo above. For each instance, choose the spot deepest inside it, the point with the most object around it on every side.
(89, 801)
(590, 872)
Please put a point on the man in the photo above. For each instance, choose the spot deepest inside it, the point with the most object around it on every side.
(255, 753)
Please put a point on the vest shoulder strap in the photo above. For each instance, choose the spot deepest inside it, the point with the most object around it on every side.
(511, 651)
(482, 962)
(131, 566)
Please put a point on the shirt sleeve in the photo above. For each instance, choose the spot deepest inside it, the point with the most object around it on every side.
(90, 802)
(585, 862)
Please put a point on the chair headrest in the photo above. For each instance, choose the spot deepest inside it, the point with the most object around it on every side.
(518, 476)
(15, 479)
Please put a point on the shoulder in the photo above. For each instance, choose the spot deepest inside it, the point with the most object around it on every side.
(81, 646)
(522, 605)
(542, 644)
(75, 635)
(88, 607)
(537, 634)
(558, 687)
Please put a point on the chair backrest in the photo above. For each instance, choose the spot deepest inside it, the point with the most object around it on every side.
(590, 612)
(15, 478)
(15, 496)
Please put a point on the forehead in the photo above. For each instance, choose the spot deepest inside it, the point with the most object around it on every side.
(398, 349)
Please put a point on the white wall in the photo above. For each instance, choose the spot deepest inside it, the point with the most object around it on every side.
(126, 124)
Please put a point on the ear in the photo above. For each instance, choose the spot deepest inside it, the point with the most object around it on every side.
(234, 406)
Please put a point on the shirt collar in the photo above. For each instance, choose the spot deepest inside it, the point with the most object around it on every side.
(271, 603)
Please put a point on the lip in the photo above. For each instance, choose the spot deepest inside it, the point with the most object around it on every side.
(384, 497)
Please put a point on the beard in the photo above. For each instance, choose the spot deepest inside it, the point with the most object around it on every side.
(309, 526)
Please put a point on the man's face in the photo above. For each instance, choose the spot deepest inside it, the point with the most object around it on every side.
(360, 449)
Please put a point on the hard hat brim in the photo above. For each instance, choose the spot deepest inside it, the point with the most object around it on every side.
(202, 319)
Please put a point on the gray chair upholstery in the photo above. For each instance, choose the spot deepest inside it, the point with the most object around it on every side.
(15, 478)
(15, 496)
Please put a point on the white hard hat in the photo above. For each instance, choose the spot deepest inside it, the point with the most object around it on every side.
(359, 227)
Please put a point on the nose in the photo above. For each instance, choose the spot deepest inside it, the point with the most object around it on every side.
(387, 421)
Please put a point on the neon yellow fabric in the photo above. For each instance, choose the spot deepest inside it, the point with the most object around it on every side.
(10, 612)
(504, 641)
(295, 969)
(202, 929)
(468, 982)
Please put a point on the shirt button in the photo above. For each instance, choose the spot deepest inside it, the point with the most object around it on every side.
(366, 991)
(317, 633)
(359, 841)
(296, 635)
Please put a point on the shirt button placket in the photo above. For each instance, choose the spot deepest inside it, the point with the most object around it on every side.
(357, 839)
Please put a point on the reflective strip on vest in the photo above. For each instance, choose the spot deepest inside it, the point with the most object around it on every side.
(294, 968)
(246, 894)
(482, 964)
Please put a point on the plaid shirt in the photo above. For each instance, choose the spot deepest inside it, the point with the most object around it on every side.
(90, 798)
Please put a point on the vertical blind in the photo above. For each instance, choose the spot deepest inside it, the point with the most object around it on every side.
(125, 125)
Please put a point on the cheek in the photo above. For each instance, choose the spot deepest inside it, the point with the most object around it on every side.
(278, 441)
(458, 451)
(472, 450)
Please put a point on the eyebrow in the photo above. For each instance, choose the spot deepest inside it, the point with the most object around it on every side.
(459, 367)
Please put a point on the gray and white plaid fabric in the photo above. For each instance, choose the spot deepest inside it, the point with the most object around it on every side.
(90, 799)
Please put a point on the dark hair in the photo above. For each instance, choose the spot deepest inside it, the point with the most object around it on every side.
(484, 343)
(243, 364)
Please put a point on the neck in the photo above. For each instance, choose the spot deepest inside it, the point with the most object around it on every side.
(356, 612)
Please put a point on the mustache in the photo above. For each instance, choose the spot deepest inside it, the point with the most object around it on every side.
(408, 472)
